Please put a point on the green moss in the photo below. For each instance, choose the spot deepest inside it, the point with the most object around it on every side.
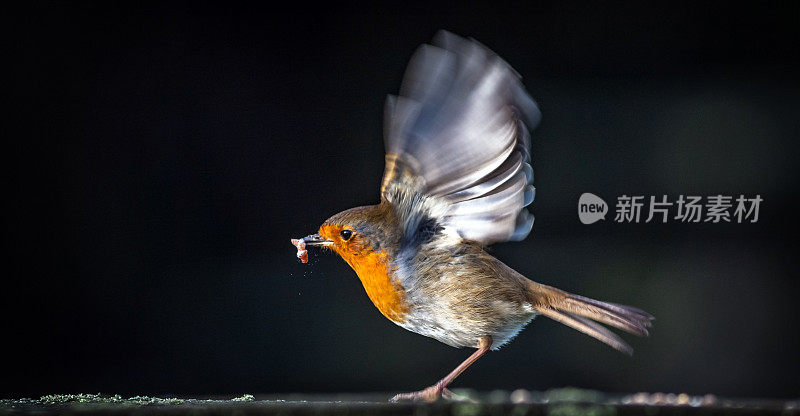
(51, 399)
(571, 394)
(467, 409)
(116, 399)
(244, 398)
(578, 410)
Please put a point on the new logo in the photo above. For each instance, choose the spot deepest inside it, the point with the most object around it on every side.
(591, 208)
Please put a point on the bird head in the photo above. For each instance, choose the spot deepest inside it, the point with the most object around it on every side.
(358, 234)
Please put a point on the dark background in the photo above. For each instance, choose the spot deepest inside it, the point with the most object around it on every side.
(160, 157)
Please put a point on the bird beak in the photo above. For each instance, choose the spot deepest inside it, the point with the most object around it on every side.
(316, 240)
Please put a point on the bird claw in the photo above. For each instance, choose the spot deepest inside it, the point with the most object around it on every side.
(449, 395)
(430, 395)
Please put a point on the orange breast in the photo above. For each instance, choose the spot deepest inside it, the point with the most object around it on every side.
(372, 268)
(384, 291)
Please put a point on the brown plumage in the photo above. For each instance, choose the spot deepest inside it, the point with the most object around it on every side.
(458, 178)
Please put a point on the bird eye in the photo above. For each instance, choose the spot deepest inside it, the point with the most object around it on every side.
(346, 234)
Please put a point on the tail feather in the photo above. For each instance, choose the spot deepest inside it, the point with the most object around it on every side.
(616, 307)
(623, 320)
(590, 328)
(573, 311)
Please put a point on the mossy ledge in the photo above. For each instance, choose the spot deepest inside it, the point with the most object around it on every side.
(465, 402)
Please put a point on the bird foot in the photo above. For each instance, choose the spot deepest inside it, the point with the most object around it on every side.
(430, 395)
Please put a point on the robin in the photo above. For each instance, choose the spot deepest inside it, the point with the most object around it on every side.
(457, 178)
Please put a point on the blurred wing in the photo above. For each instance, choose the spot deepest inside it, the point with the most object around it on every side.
(458, 132)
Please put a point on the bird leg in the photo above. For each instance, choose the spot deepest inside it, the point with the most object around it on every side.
(432, 393)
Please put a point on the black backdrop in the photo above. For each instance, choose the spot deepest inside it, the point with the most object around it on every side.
(160, 158)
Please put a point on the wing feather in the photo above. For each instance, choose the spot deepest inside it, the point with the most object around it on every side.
(458, 133)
